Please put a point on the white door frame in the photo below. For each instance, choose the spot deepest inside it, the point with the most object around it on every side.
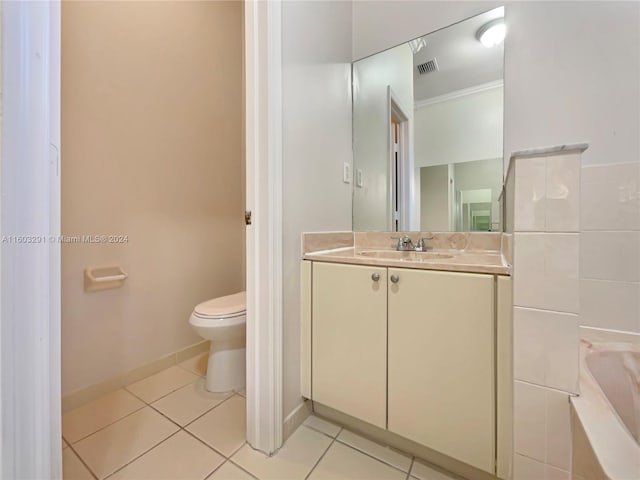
(406, 170)
(263, 84)
(30, 273)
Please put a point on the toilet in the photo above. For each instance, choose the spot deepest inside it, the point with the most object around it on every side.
(222, 321)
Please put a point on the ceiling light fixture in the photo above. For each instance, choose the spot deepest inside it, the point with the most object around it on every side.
(492, 33)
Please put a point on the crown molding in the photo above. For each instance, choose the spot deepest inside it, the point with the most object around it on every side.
(458, 94)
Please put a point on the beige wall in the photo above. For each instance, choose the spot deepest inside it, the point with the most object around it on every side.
(151, 148)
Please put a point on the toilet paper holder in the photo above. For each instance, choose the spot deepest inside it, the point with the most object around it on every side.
(104, 278)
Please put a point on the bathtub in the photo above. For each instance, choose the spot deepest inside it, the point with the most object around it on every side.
(605, 418)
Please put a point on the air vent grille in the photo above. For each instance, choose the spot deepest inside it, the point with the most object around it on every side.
(429, 66)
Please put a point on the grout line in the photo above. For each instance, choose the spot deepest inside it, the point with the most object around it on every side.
(319, 460)
(190, 371)
(371, 455)
(141, 455)
(320, 431)
(108, 425)
(413, 459)
(241, 468)
(83, 462)
(166, 394)
(206, 444)
(545, 387)
(212, 408)
(215, 469)
(238, 449)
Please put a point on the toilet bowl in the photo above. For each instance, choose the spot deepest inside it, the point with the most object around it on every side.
(222, 321)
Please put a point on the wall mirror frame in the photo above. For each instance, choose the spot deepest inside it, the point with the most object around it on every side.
(428, 131)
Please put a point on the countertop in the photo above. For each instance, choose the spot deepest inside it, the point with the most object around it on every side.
(471, 261)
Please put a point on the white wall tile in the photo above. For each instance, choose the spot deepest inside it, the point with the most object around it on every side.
(542, 428)
(610, 197)
(528, 274)
(561, 265)
(552, 473)
(529, 348)
(546, 268)
(525, 468)
(608, 304)
(558, 430)
(546, 348)
(530, 194)
(530, 420)
(563, 193)
(610, 256)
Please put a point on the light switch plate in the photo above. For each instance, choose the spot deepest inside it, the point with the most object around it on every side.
(346, 173)
(359, 178)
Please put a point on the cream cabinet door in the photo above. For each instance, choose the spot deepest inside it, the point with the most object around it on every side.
(349, 340)
(441, 363)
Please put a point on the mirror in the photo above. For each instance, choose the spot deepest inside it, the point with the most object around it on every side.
(427, 131)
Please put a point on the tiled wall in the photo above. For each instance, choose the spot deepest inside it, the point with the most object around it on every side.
(576, 241)
(545, 218)
(610, 247)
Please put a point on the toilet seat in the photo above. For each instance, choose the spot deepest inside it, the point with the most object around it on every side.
(228, 306)
(221, 312)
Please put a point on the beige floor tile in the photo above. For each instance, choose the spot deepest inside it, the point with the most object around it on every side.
(382, 453)
(293, 461)
(64, 444)
(118, 444)
(224, 428)
(243, 392)
(152, 388)
(229, 471)
(343, 462)
(91, 417)
(180, 457)
(72, 467)
(188, 403)
(323, 426)
(422, 471)
(197, 364)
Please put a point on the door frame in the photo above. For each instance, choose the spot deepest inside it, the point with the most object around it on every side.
(30, 273)
(263, 123)
(405, 171)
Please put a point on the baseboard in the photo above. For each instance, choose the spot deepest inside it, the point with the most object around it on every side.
(393, 440)
(296, 418)
(87, 394)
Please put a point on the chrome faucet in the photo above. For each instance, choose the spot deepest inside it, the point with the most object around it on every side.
(404, 243)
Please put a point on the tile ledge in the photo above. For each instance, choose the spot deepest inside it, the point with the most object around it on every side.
(534, 152)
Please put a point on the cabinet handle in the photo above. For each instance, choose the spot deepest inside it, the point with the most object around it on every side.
(375, 277)
(395, 278)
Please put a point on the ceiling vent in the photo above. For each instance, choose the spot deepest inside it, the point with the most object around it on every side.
(429, 66)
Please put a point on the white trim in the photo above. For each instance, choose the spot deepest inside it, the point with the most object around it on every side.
(263, 70)
(406, 173)
(458, 94)
(30, 273)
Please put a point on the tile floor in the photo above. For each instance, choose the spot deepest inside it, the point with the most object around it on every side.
(168, 426)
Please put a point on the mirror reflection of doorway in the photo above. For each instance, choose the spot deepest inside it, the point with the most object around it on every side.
(461, 196)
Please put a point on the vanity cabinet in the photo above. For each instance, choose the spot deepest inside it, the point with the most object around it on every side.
(409, 351)
(441, 362)
(349, 340)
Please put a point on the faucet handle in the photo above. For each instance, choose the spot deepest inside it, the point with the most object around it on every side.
(421, 246)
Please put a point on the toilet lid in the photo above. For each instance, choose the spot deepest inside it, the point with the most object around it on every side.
(223, 306)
